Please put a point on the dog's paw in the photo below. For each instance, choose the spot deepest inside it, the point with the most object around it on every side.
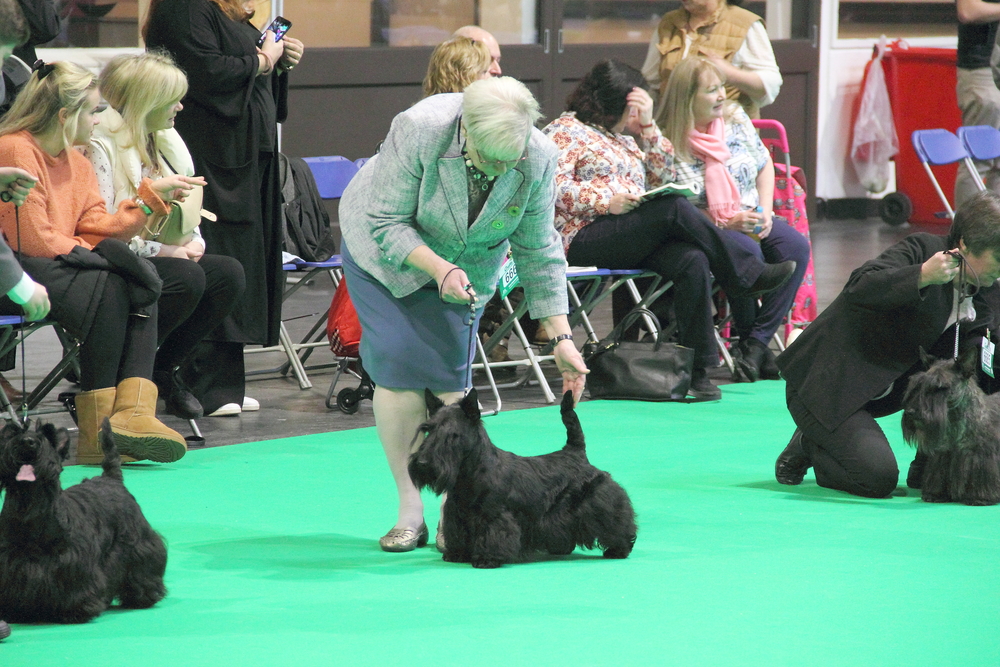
(486, 563)
(618, 552)
(455, 557)
(929, 497)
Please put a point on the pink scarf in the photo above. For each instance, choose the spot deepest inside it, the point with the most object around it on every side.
(720, 189)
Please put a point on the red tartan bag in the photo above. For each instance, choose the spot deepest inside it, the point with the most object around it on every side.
(790, 203)
(342, 325)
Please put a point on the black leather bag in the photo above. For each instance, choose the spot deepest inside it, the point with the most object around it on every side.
(639, 370)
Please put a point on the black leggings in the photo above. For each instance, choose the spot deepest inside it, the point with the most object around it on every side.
(196, 297)
(119, 345)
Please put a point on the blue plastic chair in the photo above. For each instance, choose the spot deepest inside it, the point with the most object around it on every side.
(938, 147)
(332, 174)
(982, 142)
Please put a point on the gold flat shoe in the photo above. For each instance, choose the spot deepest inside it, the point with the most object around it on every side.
(439, 539)
(404, 539)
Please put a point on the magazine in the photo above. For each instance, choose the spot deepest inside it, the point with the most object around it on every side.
(692, 189)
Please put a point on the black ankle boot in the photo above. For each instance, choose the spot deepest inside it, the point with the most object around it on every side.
(751, 359)
(792, 464)
(702, 388)
(772, 277)
(179, 400)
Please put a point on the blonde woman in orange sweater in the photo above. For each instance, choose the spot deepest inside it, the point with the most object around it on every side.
(105, 298)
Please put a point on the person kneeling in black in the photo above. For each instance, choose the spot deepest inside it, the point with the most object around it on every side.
(853, 363)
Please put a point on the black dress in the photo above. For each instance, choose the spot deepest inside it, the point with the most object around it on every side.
(229, 123)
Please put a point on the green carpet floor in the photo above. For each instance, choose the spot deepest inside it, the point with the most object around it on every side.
(274, 561)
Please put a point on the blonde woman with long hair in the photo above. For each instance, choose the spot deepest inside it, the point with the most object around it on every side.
(455, 64)
(106, 299)
(717, 147)
(135, 139)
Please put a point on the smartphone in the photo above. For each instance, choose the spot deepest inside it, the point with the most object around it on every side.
(279, 26)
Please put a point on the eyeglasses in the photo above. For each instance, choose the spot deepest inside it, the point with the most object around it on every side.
(500, 163)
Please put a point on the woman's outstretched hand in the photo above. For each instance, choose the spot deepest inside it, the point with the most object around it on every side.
(176, 187)
(574, 371)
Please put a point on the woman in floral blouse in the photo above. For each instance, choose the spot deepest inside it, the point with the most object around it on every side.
(718, 147)
(602, 173)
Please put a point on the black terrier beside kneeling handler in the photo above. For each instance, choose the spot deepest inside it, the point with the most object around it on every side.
(956, 429)
(501, 507)
(66, 555)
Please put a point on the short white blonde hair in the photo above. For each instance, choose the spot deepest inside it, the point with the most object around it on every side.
(498, 114)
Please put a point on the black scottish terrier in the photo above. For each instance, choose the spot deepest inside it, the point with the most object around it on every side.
(66, 555)
(956, 429)
(502, 507)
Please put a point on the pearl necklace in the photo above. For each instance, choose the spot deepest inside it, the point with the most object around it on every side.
(482, 181)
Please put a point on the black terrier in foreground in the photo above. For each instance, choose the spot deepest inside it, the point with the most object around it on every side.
(956, 429)
(502, 507)
(66, 555)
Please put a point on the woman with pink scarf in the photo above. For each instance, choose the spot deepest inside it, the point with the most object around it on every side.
(717, 146)
(610, 152)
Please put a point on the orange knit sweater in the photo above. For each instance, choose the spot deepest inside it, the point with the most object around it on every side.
(65, 208)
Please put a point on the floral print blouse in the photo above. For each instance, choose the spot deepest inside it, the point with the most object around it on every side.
(748, 155)
(595, 164)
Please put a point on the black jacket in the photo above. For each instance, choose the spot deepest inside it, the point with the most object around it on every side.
(873, 331)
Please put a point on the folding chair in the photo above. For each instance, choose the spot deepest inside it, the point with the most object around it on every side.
(938, 147)
(982, 142)
(13, 329)
(311, 340)
(586, 288)
(332, 174)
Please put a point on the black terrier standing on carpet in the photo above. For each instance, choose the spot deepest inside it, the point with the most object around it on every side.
(502, 507)
(66, 555)
(956, 429)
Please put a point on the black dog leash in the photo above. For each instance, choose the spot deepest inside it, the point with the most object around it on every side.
(472, 333)
(8, 197)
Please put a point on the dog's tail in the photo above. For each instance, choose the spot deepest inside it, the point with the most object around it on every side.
(574, 432)
(112, 463)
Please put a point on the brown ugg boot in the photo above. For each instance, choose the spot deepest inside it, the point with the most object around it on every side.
(138, 433)
(92, 407)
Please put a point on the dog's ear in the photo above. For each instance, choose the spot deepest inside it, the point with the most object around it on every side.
(968, 361)
(925, 359)
(11, 430)
(57, 437)
(433, 402)
(470, 406)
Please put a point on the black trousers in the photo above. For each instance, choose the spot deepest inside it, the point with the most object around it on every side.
(119, 345)
(671, 237)
(196, 298)
(855, 456)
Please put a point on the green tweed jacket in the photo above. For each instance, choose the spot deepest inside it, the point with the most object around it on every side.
(414, 192)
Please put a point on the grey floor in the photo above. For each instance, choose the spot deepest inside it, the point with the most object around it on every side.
(286, 410)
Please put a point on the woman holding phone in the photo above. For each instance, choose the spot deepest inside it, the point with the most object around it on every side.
(237, 94)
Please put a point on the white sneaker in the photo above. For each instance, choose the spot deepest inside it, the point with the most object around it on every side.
(250, 404)
(227, 410)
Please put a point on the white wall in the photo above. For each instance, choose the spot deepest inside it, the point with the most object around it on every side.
(841, 68)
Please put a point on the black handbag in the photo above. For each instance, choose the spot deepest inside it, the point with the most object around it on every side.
(639, 370)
